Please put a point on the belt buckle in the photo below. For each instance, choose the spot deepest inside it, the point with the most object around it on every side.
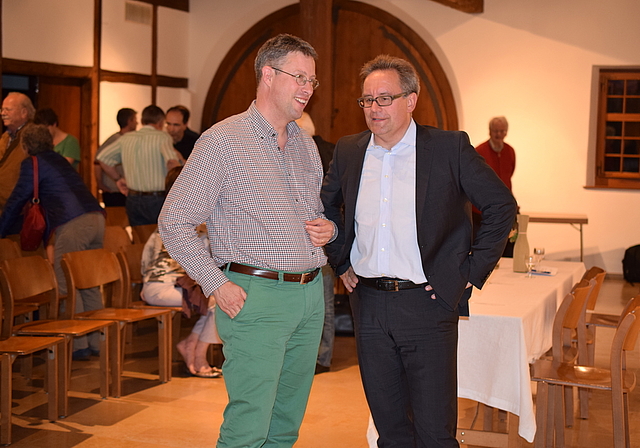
(303, 277)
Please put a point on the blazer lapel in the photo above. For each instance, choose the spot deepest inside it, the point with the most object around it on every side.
(424, 156)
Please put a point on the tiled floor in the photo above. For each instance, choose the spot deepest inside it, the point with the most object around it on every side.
(187, 411)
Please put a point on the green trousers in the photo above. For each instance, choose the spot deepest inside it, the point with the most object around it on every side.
(270, 351)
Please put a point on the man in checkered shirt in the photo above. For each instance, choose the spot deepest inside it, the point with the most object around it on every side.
(255, 180)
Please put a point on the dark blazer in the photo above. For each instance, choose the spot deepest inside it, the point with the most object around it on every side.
(449, 175)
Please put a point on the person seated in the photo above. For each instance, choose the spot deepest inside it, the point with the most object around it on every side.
(64, 144)
(160, 273)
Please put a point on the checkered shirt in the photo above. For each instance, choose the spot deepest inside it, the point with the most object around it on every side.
(253, 197)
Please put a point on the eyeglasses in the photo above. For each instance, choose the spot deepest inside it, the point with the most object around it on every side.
(382, 100)
(301, 79)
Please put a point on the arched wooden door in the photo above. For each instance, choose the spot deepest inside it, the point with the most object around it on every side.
(360, 32)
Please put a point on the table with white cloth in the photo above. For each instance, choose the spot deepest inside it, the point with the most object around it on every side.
(509, 326)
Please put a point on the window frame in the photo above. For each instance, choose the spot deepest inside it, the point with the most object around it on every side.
(610, 179)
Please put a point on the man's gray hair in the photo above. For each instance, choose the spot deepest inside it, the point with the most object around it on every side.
(409, 80)
(25, 102)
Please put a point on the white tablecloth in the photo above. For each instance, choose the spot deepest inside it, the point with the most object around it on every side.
(510, 326)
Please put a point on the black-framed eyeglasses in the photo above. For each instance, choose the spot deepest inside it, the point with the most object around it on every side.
(301, 79)
(382, 100)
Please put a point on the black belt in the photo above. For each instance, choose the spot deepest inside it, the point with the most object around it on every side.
(389, 284)
(145, 193)
(303, 278)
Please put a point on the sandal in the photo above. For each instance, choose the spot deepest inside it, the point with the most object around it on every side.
(213, 373)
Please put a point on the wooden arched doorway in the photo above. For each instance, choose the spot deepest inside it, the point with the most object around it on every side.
(360, 32)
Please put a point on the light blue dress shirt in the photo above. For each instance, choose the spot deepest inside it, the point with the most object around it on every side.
(386, 242)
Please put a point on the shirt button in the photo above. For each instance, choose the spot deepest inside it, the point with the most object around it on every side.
(382, 250)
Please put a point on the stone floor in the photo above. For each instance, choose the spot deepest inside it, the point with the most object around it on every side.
(187, 411)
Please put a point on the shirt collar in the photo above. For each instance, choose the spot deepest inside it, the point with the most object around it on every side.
(264, 128)
(408, 139)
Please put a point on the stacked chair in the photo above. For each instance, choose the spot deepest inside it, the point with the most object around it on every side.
(26, 277)
(572, 364)
(100, 268)
(12, 347)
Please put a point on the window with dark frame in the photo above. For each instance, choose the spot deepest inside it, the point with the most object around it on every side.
(618, 136)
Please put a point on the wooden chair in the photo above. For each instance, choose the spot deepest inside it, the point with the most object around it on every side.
(115, 237)
(100, 268)
(9, 249)
(552, 376)
(130, 258)
(142, 233)
(22, 278)
(117, 216)
(12, 347)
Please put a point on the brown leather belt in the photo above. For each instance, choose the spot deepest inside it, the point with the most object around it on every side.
(389, 284)
(303, 278)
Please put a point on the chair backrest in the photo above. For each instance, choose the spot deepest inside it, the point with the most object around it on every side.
(94, 268)
(570, 317)
(130, 258)
(623, 341)
(24, 278)
(117, 216)
(598, 274)
(115, 237)
(9, 249)
(142, 233)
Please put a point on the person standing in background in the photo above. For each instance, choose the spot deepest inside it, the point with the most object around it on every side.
(64, 144)
(325, 352)
(128, 121)
(502, 158)
(183, 137)
(17, 110)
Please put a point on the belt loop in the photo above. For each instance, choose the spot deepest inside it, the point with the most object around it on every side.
(280, 277)
(225, 268)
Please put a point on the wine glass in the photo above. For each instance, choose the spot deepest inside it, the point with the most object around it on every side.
(530, 262)
(538, 254)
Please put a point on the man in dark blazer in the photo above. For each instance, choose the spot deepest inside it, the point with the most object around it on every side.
(404, 250)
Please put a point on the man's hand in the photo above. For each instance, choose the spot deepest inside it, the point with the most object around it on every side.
(320, 231)
(349, 279)
(230, 298)
(433, 296)
(122, 186)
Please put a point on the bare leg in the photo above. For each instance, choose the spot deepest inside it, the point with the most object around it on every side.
(187, 349)
(200, 359)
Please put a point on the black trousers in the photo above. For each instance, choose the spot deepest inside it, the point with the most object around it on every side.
(407, 350)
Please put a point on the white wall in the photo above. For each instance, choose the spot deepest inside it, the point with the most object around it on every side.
(48, 31)
(126, 46)
(530, 61)
(113, 97)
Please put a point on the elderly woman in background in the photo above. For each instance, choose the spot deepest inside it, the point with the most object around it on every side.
(71, 213)
(64, 144)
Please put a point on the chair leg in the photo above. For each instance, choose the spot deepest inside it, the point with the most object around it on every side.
(53, 359)
(559, 412)
(176, 322)
(64, 374)
(116, 342)
(6, 397)
(568, 403)
(552, 391)
(164, 348)
(104, 361)
(541, 415)
(620, 421)
(583, 395)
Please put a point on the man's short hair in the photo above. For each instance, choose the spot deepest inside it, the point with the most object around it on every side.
(36, 138)
(25, 102)
(151, 115)
(124, 115)
(46, 116)
(183, 110)
(276, 49)
(409, 80)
